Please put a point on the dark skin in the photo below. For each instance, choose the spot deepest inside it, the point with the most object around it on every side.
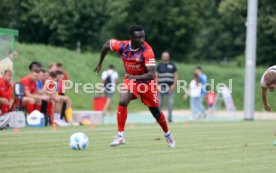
(137, 41)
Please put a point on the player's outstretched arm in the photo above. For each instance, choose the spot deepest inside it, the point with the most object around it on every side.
(104, 51)
(147, 76)
(264, 99)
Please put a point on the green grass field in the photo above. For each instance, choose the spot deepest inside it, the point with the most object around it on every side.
(201, 147)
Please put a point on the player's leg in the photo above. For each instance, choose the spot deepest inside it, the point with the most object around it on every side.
(125, 98)
(170, 105)
(5, 105)
(161, 119)
(29, 104)
(68, 110)
(150, 99)
(37, 105)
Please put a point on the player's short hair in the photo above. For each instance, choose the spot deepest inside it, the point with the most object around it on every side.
(8, 71)
(53, 74)
(35, 70)
(135, 28)
(59, 64)
(42, 70)
(34, 63)
(51, 65)
(111, 66)
(59, 72)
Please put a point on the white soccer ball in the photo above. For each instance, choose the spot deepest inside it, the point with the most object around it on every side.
(79, 141)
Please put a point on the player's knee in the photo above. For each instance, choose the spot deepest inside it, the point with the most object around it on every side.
(38, 101)
(30, 100)
(123, 103)
(155, 111)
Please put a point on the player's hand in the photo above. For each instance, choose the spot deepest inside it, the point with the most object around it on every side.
(4, 101)
(10, 104)
(267, 107)
(11, 83)
(98, 68)
(129, 76)
(45, 97)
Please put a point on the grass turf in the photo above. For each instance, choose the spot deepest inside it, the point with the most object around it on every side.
(201, 147)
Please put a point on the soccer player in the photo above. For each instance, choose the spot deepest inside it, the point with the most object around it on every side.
(139, 63)
(6, 89)
(268, 83)
(59, 67)
(32, 100)
(51, 88)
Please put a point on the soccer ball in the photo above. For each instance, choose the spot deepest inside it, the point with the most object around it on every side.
(79, 141)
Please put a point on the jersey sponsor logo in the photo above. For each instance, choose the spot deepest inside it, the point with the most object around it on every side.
(133, 66)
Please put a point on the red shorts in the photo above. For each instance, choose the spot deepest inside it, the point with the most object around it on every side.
(147, 91)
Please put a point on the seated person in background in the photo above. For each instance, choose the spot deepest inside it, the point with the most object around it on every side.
(52, 67)
(59, 67)
(44, 104)
(52, 90)
(40, 81)
(7, 63)
(268, 83)
(32, 100)
(6, 90)
(60, 78)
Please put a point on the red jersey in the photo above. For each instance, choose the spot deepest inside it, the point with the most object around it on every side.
(135, 61)
(5, 89)
(29, 85)
(65, 76)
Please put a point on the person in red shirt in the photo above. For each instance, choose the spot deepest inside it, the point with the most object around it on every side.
(32, 100)
(6, 90)
(139, 80)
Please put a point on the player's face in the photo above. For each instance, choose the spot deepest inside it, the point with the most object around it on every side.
(46, 75)
(59, 68)
(138, 38)
(34, 76)
(8, 76)
(41, 76)
(59, 77)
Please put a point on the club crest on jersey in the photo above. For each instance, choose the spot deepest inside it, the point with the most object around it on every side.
(137, 59)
